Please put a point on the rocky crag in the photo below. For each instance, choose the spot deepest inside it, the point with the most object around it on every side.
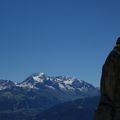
(109, 106)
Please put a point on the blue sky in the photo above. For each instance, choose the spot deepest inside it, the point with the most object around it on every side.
(58, 37)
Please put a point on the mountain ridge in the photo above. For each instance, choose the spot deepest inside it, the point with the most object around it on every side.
(63, 85)
(22, 102)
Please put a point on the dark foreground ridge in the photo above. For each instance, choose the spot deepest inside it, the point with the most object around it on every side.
(81, 109)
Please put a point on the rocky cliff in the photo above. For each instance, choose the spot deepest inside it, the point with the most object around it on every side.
(109, 106)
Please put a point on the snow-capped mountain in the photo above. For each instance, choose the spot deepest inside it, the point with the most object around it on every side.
(4, 84)
(39, 92)
(63, 84)
(61, 87)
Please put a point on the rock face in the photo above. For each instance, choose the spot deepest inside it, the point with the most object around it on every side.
(109, 106)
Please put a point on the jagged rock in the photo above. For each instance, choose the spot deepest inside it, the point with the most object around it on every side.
(109, 106)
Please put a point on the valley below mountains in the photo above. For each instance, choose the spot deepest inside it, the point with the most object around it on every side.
(43, 97)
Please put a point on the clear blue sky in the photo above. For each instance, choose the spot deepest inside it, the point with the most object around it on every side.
(58, 37)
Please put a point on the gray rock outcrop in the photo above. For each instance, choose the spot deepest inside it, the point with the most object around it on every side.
(109, 106)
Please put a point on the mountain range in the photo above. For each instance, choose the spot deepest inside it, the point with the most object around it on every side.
(38, 93)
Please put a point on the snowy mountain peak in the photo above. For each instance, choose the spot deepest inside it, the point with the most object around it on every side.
(39, 74)
(57, 83)
(39, 77)
(62, 85)
(4, 84)
(43, 78)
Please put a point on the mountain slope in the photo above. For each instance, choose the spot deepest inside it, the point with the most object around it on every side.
(21, 104)
(81, 109)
